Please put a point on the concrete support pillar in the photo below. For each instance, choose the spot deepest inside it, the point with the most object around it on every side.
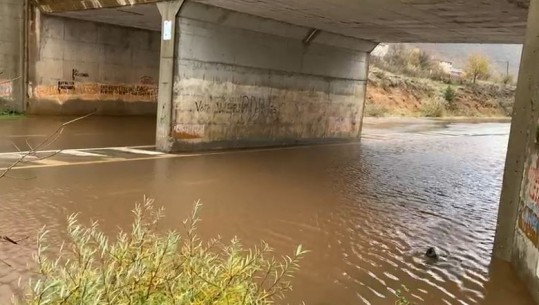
(361, 115)
(12, 50)
(169, 10)
(522, 137)
(263, 89)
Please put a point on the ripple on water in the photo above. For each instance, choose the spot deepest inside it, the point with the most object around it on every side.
(407, 195)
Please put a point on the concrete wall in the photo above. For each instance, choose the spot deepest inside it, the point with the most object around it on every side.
(80, 66)
(517, 233)
(526, 253)
(244, 81)
(11, 54)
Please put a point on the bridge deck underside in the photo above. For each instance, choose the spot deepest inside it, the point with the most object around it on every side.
(451, 21)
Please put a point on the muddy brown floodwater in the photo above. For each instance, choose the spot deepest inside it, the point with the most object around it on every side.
(367, 211)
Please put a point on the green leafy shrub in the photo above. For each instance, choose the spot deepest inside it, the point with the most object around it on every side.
(6, 113)
(507, 80)
(449, 94)
(433, 108)
(373, 110)
(143, 267)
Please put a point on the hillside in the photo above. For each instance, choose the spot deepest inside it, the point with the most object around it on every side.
(390, 94)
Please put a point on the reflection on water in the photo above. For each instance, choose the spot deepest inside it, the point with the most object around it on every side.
(366, 211)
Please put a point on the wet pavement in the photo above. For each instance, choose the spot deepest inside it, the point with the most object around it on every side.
(367, 211)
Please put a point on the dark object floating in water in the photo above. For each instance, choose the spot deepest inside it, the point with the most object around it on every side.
(431, 253)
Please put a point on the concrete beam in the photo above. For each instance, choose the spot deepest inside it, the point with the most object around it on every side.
(380, 21)
(58, 6)
(169, 10)
(231, 19)
(522, 136)
(310, 36)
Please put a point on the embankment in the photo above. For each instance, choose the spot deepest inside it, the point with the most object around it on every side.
(390, 94)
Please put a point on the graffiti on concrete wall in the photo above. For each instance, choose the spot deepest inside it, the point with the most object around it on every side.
(129, 90)
(147, 80)
(97, 91)
(249, 105)
(529, 224)
(6, 89)
(189, 131)
(246, 108)
(528, 221)
(255, 113)
(78, 87)
(77, 74)
(65, 86)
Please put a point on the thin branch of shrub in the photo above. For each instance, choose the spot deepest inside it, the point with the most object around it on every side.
(53, 137)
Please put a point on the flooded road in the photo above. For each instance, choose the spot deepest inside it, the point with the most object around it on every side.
(367, 211)
(90, 132)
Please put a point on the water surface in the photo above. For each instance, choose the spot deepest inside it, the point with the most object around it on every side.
(367, 211)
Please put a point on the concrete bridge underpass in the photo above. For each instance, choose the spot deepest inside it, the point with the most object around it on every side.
(243, 73)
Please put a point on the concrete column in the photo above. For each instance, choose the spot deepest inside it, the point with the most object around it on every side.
(12, 37)
(169, 10)
(361, 115)
(522, 136)
(25, 56)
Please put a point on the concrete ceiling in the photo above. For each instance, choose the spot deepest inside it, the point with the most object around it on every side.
(450, 21)
(142, 16)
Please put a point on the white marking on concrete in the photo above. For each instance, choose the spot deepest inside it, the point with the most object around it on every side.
(51, 162)
(79, 153)
(79, 149)
(173, 156)
(11, 156)
(104, 161)
(138, 151)
(26, 136)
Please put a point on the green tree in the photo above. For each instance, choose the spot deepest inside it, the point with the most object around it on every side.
(449, 94)
(477, 67)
